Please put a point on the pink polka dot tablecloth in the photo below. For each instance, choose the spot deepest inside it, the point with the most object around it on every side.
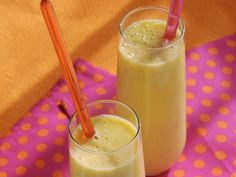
(37, 145)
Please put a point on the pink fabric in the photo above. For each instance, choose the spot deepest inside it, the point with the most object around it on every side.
(37, 145)
(211, 111)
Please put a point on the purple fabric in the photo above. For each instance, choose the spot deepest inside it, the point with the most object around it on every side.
(37, 145)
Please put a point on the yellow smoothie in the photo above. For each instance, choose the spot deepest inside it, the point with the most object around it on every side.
(112, 152)
(152, 81)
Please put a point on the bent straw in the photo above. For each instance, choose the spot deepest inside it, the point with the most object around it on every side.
(173, 19)
(67, 67)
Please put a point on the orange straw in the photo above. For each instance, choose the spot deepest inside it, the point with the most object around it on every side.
(67, 67)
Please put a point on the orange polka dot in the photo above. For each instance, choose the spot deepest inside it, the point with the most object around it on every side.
(98, 106)
(57, 173)
(81, 68)
(221, 124)
(221, 138)
(194, 56)
(229, 58)
(60, 128)
(97, 77)
(190, 95)
(20, 170)
(41, 147)
(191, 82)
(189, 109)
(199, 164)
(223, 110)
(23, 140)
(43, 132)
(206, 102)
(234, 162)
(201, 131)
(42, 121)
(179, 173)
(182, 158)
(209, 75)
(26, 127)
(61, 116)
(22, 155)
(3, 174)
(225, 84)
(231, 43)
(227, 70)
(225, 97)
(40, 163)
(63, 89)
(3, 161)
(217, 171)
(211, 63)
(235, 144)
(212, 51)
(204, 117)
(200, 148)
(59, 141)
(220, 155)
(81, 84)
(207, 89)
(235, 131)
(45, 107)
(101, 91)
(58, 157)
(5, 146)
(193, 69)
(233, 175)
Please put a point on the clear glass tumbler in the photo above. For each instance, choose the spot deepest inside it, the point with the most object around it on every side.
(124, 161)
(151, 80)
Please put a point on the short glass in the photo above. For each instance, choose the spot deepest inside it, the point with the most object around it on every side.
(126, 161)
(151, 79)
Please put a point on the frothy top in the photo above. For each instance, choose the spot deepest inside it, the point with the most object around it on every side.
(112, 133)
(148, 34)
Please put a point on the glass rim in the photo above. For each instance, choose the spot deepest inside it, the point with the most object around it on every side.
(163, 9)
(112, 151)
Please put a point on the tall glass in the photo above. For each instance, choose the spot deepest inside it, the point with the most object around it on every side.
(151, 79)
(125, 161)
